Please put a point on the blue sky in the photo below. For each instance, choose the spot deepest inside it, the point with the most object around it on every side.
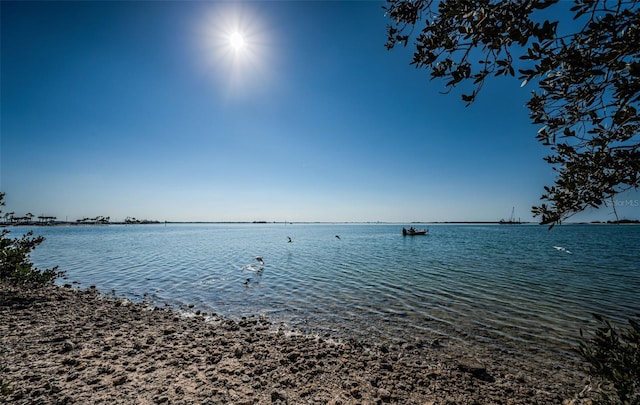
(144, 109)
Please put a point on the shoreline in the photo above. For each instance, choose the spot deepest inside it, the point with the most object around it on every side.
(65, 345)
(69, 223)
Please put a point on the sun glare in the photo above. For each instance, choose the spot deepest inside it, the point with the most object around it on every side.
(236, 40)
(236, 47)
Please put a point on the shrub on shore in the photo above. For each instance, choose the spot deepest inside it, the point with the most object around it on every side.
(613, 355)
(16, 267)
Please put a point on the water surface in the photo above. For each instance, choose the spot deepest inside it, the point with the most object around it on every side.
(500, 287)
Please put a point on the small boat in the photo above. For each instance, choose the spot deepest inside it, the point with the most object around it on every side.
(413, 232)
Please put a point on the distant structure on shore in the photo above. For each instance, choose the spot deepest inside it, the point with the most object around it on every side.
(512, 219)
(11, 219)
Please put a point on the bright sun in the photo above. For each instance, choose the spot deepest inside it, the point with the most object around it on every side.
(236, 46)
(236, 40)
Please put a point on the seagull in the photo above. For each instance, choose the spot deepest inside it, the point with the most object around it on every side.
(260, 260)
(250, 267)
(338, 236)
(290, 241)
(562, 249)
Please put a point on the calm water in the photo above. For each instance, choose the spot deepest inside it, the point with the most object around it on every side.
(496, 286)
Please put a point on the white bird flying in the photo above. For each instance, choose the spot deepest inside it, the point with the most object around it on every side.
(250, 267)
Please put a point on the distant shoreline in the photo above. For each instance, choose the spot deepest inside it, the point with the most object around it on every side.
(73, 223)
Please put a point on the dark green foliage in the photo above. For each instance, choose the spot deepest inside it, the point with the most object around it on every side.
(588, 80)
(614, 357)
(15, 263)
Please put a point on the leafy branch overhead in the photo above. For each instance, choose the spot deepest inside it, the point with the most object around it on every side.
(587, 80)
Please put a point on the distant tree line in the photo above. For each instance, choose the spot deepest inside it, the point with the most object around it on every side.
(96, 220)
(11, 218)
(132, 220)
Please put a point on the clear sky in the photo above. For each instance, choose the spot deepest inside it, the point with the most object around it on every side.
(150, 110)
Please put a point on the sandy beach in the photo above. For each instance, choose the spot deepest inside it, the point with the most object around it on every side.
(66, 346)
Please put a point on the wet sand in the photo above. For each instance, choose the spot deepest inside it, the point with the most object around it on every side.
(66, 346)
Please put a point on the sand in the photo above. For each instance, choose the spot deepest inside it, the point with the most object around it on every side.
(67, 346)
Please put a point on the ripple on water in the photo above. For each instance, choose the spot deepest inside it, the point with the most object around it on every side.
(504, 286)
